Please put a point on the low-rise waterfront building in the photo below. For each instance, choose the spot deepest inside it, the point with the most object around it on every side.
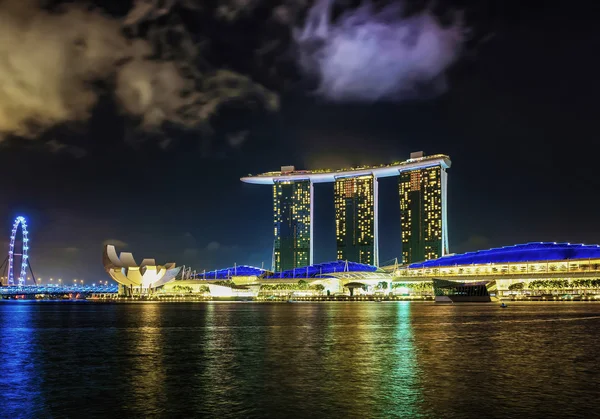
(524, 270)
(530, 271)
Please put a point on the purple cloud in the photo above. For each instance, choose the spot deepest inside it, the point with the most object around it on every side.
(368, 55)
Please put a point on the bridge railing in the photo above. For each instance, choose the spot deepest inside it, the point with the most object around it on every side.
(52, 289)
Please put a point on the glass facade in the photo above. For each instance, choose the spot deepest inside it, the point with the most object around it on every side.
(422, 187)
(464, 292)
(292, 217)
(355, 209)
(422, 214)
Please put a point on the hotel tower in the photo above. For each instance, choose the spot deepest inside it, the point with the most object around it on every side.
(292, 214)
(355, 217)
(422, 182)
(423, 213)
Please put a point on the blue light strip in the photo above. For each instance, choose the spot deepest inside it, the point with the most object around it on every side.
(241, 270)
(529, 252)
(319, 269)
(312, 271)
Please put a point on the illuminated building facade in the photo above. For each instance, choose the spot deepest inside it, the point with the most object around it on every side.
(134, 279)
(355, 219)
(292, 213)
(423, 204)
(423, 213)
(539, 270)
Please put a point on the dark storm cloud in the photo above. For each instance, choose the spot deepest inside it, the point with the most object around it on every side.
(50, 62)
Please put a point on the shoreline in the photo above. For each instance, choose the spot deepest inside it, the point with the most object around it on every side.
(179, 300)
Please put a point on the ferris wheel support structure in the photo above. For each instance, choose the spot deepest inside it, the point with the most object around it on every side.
(9, 262)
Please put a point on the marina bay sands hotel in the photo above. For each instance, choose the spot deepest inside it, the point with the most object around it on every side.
(422, 186)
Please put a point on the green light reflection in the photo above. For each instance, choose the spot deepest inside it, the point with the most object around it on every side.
(402, 382)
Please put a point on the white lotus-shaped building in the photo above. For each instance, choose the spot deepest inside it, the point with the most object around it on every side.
(134, 277)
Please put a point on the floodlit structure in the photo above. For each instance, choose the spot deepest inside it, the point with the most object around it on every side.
(322, 270)
(355, 217)
(133, 278)
(292, 213)
(422, 203)
(321, 278)
(537, 258)
(423, 213)
(534, 268)
(241, 271)
(9, 263)
(526, 271)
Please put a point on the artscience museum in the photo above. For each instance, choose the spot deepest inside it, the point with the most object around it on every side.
(133, 278)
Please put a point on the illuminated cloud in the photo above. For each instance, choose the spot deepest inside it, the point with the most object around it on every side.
(216, 246)
(47, 62)
(51, 63)
(232, 9)
(55, 64)
(236, 139)
(368, 55)
(212, 246)
(147, 10)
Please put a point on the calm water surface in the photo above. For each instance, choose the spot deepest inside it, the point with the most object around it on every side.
(350, 360)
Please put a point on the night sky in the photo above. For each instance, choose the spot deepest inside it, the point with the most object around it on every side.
(519, 120)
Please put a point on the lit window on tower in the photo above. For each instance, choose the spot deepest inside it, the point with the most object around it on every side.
(421, 207)
(355, 218)
(292, 220)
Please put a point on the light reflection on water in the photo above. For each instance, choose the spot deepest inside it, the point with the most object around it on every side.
(18, 367)
(299, 360)
(146, 369)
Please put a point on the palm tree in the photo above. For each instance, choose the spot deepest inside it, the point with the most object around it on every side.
(517, 287)
(382, 285)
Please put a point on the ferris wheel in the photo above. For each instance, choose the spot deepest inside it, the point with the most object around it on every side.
(23, 253)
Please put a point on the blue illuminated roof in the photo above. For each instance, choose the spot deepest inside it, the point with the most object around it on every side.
(530, 252)
(321, 269)
(241, 270)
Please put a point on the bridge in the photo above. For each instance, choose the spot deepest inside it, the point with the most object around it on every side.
(55, 290)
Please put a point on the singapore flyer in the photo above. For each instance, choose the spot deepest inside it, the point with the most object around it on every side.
(23, 253)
